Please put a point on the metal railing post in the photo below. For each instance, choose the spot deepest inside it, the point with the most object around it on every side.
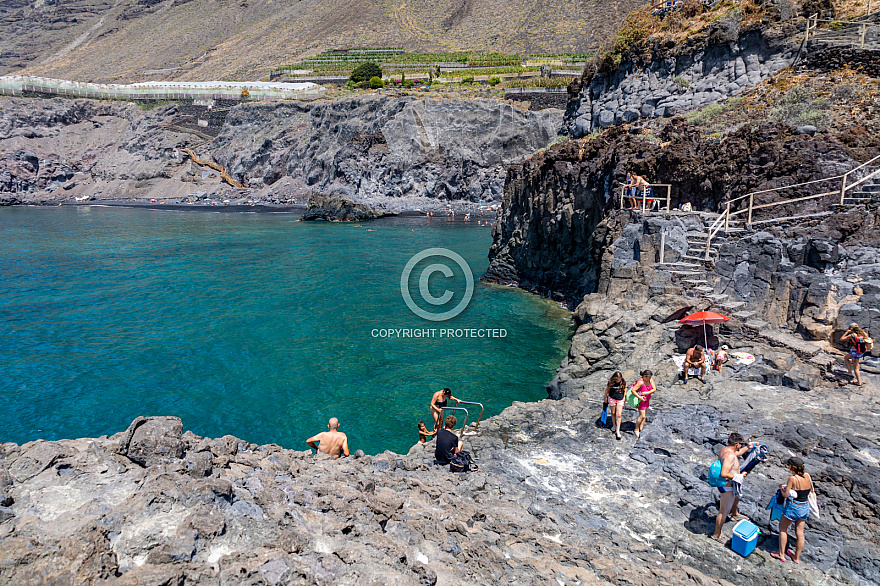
(668, 197)
(727, 218)
(662, 245)
(443, 418)
(751, 203)
(481, 410)
(862, 32)
(843, 190)
(622, 194)
(644, 195)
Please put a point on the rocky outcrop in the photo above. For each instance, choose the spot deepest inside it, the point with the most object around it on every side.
(667, 78)
(400, 152)
(548, 235)
(339, 209)
(377, 147)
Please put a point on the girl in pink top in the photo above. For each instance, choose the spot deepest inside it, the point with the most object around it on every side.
(643, 389)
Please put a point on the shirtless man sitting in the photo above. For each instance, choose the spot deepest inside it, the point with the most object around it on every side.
(729, 502)
(438, 402)
(695, 358)
(331, 442)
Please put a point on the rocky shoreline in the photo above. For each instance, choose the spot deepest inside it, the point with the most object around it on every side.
(555, 496)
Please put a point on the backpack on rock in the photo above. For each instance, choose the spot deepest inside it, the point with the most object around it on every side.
(462, 462)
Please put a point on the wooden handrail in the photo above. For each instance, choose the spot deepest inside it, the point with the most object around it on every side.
(842, 191)
(645, 198)
(715, 227)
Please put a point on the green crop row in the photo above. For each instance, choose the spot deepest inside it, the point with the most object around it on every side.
(489, 71)
(560, 56)
(353, 57)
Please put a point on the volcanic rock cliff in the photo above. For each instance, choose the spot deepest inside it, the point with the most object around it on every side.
(365, 147)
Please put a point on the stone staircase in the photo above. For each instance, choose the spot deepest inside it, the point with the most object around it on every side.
(692, 271)
(867, 192)
(848, 34)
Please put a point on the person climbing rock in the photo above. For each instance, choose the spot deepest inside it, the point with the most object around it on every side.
(447, 442)
(643, 389)
(424, 434)
(614, 395)
(728, 505)
(332, 442)
(859, 344)
(438, 402)
(695, 358)
(797, 510)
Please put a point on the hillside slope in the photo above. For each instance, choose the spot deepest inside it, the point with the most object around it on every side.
(196, 40)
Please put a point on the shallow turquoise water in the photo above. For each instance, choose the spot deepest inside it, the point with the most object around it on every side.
(254, 325)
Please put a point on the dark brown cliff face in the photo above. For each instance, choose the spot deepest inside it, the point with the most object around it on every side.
(550, 234)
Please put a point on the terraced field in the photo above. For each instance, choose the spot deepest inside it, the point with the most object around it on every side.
(196, 40)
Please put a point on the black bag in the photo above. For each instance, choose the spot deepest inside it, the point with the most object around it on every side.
(780, 499)
(462, 462)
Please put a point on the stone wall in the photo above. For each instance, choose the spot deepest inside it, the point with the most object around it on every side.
(673, 80)
(830, 58)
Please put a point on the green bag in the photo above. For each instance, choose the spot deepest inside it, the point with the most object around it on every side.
(633, 400)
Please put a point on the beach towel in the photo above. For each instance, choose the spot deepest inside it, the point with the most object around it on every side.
(775, 507)
(756, 455)
(743, 358)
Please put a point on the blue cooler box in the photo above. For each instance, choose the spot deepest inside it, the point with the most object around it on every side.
(745, 537)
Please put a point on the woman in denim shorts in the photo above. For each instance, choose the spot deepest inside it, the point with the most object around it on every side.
(797, 510)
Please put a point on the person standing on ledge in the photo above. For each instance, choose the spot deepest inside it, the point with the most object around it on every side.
(635, 183)
(438, 402)
(729, 503)
(331, 442)
(447, 442)
(797, 510)
(859, 344)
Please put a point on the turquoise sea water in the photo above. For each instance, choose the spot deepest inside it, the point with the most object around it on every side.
(254, 325)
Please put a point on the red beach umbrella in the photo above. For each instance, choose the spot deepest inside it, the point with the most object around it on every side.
(703, 317)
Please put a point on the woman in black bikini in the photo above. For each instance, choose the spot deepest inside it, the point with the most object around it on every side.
(797, 510)
(614, 394)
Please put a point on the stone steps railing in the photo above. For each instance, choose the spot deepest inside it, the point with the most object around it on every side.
(858, 34)
(843, 193)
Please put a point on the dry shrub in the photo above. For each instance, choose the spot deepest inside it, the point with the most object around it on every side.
(690, 8)
(637, 26)
(752, 10)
